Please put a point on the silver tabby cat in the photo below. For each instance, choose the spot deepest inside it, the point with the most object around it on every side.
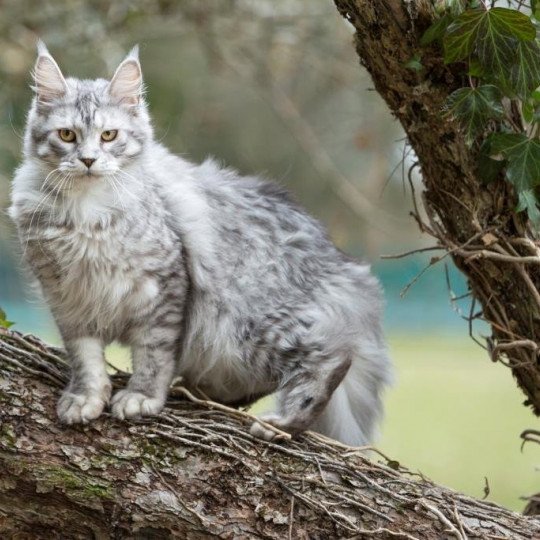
(207, 275)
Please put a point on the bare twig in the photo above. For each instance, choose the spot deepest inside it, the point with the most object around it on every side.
(452, 528)
(235, 412)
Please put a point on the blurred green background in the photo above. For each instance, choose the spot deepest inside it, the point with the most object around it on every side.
(275, 87)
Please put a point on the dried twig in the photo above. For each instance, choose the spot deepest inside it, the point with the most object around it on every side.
(452, 528)
(235, 412)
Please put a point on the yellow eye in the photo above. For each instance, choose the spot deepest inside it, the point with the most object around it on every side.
(67, 135)
(109, 135)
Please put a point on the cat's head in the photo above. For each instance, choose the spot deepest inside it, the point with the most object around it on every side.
(87, 129)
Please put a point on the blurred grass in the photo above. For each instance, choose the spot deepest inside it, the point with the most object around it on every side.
(454, 416)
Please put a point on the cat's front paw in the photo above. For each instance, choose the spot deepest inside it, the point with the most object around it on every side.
(129, 404)
(81, 408)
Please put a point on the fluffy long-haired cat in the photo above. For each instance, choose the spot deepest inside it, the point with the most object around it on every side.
(205, 274)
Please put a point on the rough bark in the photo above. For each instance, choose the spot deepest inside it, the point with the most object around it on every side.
(476, 224)
(195, 472)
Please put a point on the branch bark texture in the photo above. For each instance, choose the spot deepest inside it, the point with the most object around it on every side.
(195, 472)
(476, 224)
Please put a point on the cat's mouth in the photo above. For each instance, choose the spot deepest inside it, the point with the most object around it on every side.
(90, 175)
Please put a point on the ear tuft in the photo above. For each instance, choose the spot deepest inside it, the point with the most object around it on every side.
(126, 84)
(134, 53)
(49, 83)
(42, 48)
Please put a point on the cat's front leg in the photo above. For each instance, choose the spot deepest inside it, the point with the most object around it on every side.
(154, 358)
(89, 388)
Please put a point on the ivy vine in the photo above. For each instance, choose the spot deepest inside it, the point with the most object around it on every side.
(500, 51)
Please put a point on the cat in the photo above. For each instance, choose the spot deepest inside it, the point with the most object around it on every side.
(220, 279)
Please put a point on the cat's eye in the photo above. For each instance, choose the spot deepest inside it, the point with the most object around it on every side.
(67, 135)
(109, 135)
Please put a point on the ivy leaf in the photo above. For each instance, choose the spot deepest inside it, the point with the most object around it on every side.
(524, 76)
(4, 323)
(523, 155)
(499, 36)
(510, 22)
(503, 143)
(531, 111)
(476, 69)
(473, 107)
(535, 8)
(492, 33)
(527, 110)
(488, 169)
(527, 201)
(437, 30)
(460, 37)
(415, 63)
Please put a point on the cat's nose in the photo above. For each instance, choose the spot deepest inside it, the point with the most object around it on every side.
(87, 161)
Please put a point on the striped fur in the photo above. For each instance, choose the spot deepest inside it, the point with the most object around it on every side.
(221, 279)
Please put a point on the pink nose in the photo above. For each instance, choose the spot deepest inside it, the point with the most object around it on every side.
(87, 161)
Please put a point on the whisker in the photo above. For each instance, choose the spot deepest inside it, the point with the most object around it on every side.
(111, 181)
(123, 186)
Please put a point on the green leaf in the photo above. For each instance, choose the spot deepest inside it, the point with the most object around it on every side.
(496, 53)
(437, 30)
(475, 69)
(498, 38)
(535, 9)
(491, 33)
(415, 63)
(460, 37)
(527, 110)
(4, 323)
(527, 201)
(531, 111)
(522, 168)
(488, 169)
(503, 143)
(510, 22)
(524, 76)
(473, 107)
(523, 155)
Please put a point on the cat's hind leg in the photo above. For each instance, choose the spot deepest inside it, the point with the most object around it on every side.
(303, 393)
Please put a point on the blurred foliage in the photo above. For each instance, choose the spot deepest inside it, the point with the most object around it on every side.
(268, 87)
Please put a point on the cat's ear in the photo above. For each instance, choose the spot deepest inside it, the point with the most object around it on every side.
(127, 84)
(49, 83)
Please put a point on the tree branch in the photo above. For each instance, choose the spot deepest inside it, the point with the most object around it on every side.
(196, 472)
(503, 274)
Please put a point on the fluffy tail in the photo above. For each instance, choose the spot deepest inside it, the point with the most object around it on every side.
(355, 408)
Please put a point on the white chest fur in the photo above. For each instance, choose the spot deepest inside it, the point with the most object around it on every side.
(92, 277)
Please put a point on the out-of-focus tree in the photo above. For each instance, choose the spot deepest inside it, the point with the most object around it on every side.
(460, 76)
(255, 83)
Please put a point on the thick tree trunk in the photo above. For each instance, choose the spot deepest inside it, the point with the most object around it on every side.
(475, 223)
(195, 472)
